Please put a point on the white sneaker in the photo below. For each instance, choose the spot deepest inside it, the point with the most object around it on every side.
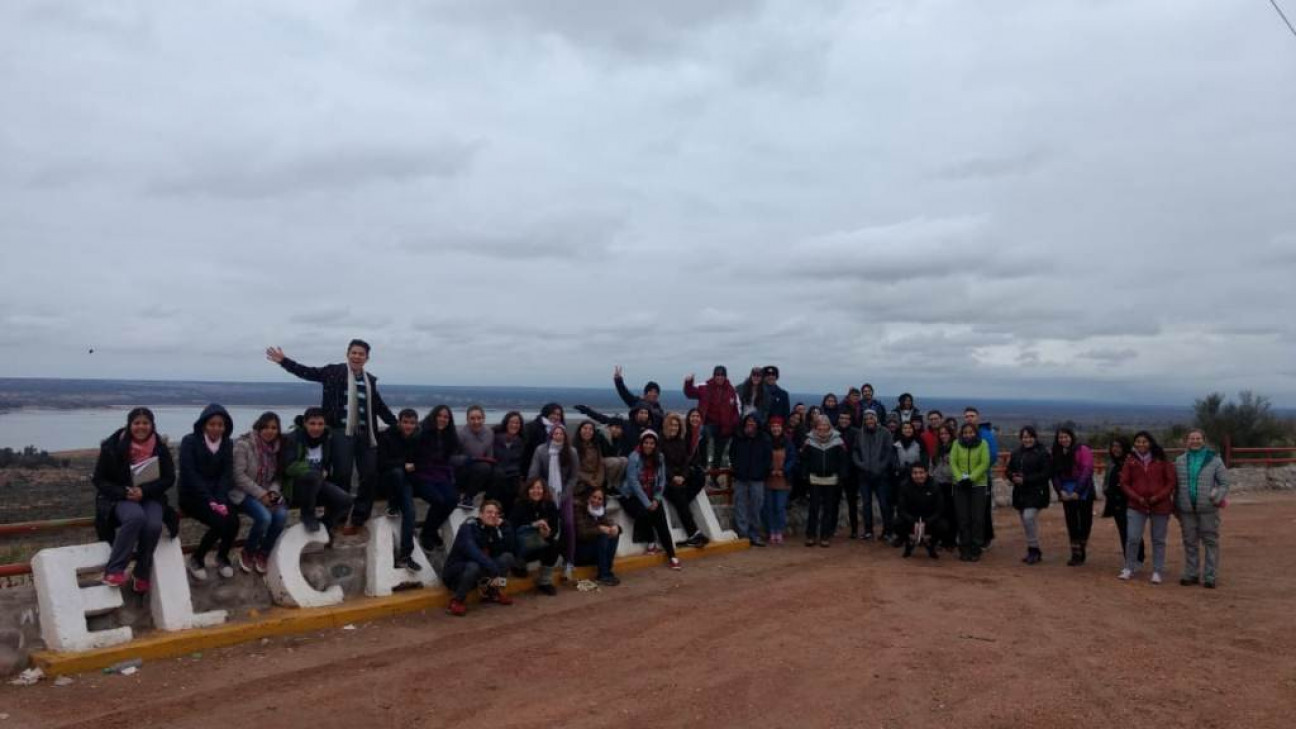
(226, 570)
(196, 569)
(1156, 578)
(1124, 575)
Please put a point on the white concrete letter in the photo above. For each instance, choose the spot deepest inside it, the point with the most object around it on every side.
(64, 604)
(170, 600)
(380, 574)
(284, 577)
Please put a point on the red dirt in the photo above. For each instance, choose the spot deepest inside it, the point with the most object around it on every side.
(781, 637)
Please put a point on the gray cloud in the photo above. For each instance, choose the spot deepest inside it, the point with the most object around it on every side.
(1002, 200)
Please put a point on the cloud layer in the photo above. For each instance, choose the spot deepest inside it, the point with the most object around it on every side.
(1067, 199)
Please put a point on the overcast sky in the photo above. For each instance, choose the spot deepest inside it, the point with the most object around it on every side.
(1091, 199)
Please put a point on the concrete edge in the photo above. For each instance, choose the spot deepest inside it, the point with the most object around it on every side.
(288, 621)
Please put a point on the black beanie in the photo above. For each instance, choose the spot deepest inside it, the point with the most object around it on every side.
(719, 371)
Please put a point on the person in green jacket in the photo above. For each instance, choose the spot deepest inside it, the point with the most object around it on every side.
(970, 463)
(1203, 490)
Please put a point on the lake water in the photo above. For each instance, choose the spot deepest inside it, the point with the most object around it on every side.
(61, 430)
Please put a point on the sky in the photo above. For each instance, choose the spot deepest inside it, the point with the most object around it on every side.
(1088, 199)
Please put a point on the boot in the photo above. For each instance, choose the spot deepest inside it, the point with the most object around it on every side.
(1076, 560)
(908, 548)
(1083, 552)
(1033, 555)
(931, 550)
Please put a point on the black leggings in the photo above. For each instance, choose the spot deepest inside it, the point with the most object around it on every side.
(219, 528)
(1079, 520)
(682, 496)
(650, 522)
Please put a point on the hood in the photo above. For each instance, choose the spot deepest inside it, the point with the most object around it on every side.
(834, 439)
(214, 411)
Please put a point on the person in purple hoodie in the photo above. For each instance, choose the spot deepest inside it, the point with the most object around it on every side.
(1073, 470)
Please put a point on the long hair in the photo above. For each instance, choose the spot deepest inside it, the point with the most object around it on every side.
(447, 441)
(138, 413)
(503, 424)
(1064, 459)
(1158, 453)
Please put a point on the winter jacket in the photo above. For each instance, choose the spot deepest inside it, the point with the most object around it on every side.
(1149, 487)
(971, 464)
(655, 413)
(1035, 465)
(476, 446)
(1114, 501)
(334, 378)
(527, 512)
(778, 404)
(986, 431)
(587, 526)
(437, 459)
(567, 461)
(476, 542)
(874, 452)
(678, 454)
(206, 477)
(296, 457)
(1082, 472)
(1212, 484)
(508, 455)
(718, 403)
(820, 460)
(749, 456)
(112, 476)
(941, 471)
(920, 501)
(592, 472)
(631, 486)
(907, 456)
(395, 450)
(246, 467)
(930, 441)
(631, 429)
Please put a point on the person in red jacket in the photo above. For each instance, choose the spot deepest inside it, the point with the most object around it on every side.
(1148, 481)
(718, 403)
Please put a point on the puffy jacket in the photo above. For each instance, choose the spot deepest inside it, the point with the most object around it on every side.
(718, 403)
(1212, 484)
(874, 452)
(112, 474)
(972, 463)
(476, 542)
(920, 501)
(1148, 486)
(1035, 466)
(245, 470)
(824, 460)
(1082, 473)
(750, 456)
(205, 476)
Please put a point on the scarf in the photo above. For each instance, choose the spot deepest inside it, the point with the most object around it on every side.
(212, 445)
(142, 450)
(353, 405)
(1144, 458)
(267, 460)
(555, 471)
(647, 474)
(596, 513)
(1196, 461)
(970, 443)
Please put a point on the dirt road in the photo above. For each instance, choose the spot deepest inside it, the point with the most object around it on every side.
(851, 636)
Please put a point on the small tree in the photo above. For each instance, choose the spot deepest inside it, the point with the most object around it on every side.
(1249, 422)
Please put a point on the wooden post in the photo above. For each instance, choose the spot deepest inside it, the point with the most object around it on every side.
(1228, 451)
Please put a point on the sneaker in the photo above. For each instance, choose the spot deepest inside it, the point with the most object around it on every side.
(652, 549)
(114, 579)
(245, 561)
(675, 564)
(226, 569)
(854, 535)
(261, 562)
(457, 608)
(407, 563)
(1209, 584)
(1125, 574)
(549, 590)
(810, 542)
(311, 522)
(756, 541)
(197, 569)
(499, 597)
(609, 581)
(140, 585)
(868, 536)
(1156, 578)
(824, 543)
(1188, 581)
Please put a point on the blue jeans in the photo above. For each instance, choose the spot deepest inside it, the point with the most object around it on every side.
(601, 552)
(875, 486)
(267, 524)
(441, 498)
(776, 501)
(1134, 538)
(748, 497)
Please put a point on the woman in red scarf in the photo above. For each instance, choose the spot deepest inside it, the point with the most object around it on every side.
(642, 492)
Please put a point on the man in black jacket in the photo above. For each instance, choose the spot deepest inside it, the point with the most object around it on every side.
(919, 502)
(777, 402)
(352, 406)
(650, 400)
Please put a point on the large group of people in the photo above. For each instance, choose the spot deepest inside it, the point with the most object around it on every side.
(536, 491)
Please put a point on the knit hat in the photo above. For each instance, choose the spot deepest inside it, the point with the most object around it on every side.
(616, 421)
(776, 420)
(648, 433)
(651, 386)
(870, 413)
(719, 371)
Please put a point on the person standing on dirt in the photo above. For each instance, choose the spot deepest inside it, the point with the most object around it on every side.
(1030, 468)
(824, 461)
(1149, 483)
(352, 406)
(874, 459)
(1115, 505)
(751, 454)
(970, 462)
(1203, 491)
(1073, 480)
(986, 431)
(718, 403)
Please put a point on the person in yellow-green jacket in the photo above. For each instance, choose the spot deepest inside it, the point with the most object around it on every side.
(970, 462)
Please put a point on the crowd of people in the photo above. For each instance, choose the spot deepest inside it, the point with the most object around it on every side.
(542, 493)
